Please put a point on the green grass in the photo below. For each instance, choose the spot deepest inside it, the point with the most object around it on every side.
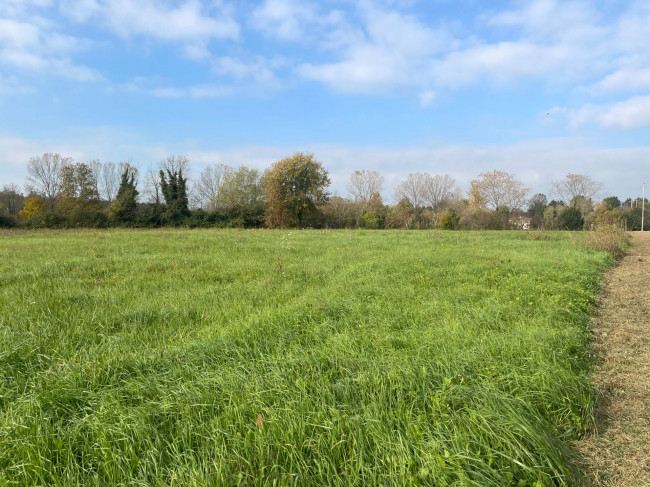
(374, 358)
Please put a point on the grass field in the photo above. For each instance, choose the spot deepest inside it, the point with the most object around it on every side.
(293, 358)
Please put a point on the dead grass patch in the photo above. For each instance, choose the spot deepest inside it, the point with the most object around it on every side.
(615, 453)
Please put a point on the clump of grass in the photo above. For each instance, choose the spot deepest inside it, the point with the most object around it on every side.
(609, 238)
(390, 358)
(539, 235)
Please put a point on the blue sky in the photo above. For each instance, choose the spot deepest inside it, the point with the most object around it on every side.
(538, 88)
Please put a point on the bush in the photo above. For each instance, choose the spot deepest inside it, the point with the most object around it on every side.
(81, 218)
(571, 219)
(371, 220)
(149, 215)
(8, 222)
(47, 220)
(608, 238)
(449, 220)
(539, 235)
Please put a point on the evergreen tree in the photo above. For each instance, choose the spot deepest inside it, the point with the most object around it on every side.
(174, 190)
(571, 219)
(123, 208)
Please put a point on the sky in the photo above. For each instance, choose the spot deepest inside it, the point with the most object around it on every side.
(537, 88)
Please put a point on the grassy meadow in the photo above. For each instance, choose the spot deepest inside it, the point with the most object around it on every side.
(175, 357)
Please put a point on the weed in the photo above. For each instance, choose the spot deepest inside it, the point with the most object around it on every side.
(609, 238)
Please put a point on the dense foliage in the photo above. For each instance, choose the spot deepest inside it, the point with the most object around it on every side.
(294, 192)
(294, 188)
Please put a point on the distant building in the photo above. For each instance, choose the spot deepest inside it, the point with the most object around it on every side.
(520, 223)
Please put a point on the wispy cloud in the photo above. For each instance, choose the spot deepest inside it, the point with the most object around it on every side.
(36, 46)
(10, 85)
(158, 88)
(394, 51)
(188, 23)
(628, 114)
(557, 43)
(624, 80)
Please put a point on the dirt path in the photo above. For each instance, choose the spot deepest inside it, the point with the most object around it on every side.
(618, 453)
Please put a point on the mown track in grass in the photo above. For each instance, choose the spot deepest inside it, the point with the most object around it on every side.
(373, 358)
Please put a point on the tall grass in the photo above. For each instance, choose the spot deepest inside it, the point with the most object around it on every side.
(293, 358)
(609, 238)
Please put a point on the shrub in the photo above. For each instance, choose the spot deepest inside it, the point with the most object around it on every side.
(371, 220)
(449, 220)
(571, 219)
(81, 218)
(149, 215)
(47, 220)
(539, 235)
(7, 222)
(608, 238)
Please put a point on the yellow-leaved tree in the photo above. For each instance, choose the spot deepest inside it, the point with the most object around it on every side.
(32, 206)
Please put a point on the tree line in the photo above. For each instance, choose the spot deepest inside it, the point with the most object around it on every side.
(293, 192)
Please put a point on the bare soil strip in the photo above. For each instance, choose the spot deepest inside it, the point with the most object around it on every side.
(617, 453)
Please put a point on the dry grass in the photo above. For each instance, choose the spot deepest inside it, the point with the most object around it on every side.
(609, 238)
(539, 235)
(617, 452)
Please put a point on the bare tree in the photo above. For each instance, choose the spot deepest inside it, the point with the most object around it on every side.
(437, 189)
(10, 199)
(151, 182)
(110, 179)
(497, 189)
(96, 167)
(44, 175)
(574, 185)
(364, 183)
(413, 188)
(174, 163)
(207, 187)
(108, 176)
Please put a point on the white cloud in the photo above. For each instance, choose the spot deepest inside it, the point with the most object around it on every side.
(632, 113)
(632, 28)
(628, 114)
(187, 23)
(13, 86)
(155, 87)
(395, 51)
(427, 98)
(502, 62)
(284, 19)
(556, 42)
(20, 7)
(626, 79)
(555, 20)
(306, 22)
(36, 47)
(260, 69)
(559, 43)
(19, 35)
